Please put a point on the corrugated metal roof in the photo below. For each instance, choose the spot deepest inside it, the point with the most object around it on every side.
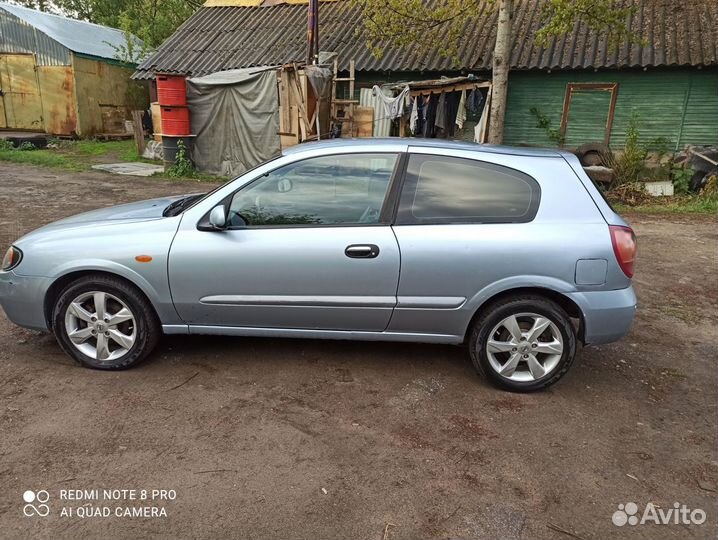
(78, 36)
(216, 38)
(16, 36)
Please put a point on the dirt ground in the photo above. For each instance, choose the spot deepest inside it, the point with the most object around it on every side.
(266, 438)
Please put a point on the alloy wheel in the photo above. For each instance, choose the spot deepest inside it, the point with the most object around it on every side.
(100, 325)
(524, 347)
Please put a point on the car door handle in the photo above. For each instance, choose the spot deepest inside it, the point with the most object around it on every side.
(362, 251)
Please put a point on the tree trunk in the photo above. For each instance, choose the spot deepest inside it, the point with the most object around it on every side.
(500, 72)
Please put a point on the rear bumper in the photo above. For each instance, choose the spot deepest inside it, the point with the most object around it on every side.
(22, 299)
(607, 315)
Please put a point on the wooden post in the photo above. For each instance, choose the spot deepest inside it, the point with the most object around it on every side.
(139, 132)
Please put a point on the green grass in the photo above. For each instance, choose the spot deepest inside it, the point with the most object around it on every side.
(43, 158)
(89, 147)
(130, 154)
(687, 205)
(83, 154)
(198, 177)
(72, 155)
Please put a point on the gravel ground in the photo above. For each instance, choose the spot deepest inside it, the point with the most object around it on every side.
(264, 438)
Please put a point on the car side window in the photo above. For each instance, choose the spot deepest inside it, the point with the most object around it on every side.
(444, 189)
(344, 189)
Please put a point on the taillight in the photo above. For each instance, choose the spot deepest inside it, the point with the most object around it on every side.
(624, 246)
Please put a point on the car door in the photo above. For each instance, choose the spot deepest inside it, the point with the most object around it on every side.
(305, 248)
(461, 226)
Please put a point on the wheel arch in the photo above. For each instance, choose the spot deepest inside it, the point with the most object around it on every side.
(55, 289)
(569, 306)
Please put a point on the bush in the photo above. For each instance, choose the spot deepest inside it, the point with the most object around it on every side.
(631, 164)
(681, 178)
(183, 167)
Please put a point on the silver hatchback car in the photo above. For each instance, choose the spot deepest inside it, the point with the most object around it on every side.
(512, 251)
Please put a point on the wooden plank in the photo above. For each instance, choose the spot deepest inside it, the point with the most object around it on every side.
(351, 106)
(303, 124)
(451, 88)
(156, 121)
(291, 137)
(284, 100)
(709, 160)
(139, 132)
(364, 121)
(484, 120)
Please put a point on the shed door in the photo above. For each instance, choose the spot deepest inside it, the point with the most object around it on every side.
(20, 92)
(588, 113)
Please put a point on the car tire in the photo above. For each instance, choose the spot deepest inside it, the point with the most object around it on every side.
(593, 153)
(491, 333)
(125, 335)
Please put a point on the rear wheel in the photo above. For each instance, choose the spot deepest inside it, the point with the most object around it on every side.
(105, 323)
(523, 343)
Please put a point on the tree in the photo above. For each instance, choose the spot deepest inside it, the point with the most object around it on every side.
(422, 25)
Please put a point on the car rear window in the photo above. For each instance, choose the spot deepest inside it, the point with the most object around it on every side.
(443, 189)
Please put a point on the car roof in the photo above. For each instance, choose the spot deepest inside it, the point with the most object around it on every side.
(425, 143)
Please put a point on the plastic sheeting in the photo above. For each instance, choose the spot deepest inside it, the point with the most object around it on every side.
(235, 117)
(320, 79)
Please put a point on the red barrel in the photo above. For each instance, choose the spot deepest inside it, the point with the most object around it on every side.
(171, 90)
(175, 121)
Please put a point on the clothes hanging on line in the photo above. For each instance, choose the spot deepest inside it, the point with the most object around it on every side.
(414, 118)
(484, 120)
(423, 106)
(461, 113)
(474, 101)
(393, 106)
(430, 117)
(452, 108)
(440, 121)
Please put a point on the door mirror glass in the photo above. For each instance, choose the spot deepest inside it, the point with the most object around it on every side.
(284, 185)
(217, 218)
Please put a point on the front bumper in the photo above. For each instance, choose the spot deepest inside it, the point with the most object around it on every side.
(22, 299)
(607, 315)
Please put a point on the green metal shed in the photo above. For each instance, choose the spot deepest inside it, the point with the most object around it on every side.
(678, 105)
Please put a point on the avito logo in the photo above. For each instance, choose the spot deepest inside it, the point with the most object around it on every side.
(679, 514)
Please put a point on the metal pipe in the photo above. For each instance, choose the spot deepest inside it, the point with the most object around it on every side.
(316, 30)
(311, 25)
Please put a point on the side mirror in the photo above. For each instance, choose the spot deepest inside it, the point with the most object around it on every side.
(217, 218)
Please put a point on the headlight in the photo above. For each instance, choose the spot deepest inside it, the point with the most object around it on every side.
(12, 258)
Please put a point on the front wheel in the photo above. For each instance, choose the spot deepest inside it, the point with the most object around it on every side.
(523, 343)
(105, 323)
